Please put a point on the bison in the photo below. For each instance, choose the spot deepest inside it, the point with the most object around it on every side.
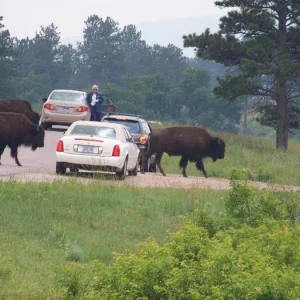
(190, 142)
(16, 130)
(19, 106)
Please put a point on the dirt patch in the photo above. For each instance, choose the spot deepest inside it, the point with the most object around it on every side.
(155, 180)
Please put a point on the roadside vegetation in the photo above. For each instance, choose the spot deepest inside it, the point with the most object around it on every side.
(58, 240)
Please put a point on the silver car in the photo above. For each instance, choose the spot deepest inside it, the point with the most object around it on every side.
(63, 107)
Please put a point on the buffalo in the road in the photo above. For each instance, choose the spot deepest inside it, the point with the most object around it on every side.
(16, 130)
(19, 106)
(190, 142)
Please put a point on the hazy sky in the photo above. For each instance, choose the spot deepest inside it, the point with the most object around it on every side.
(24, 17)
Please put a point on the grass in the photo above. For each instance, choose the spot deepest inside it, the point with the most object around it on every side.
(46, 225)
(256, 154)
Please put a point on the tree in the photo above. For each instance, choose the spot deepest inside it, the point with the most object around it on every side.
(100, 53)
(7, 62)
(168, 60)
(135, 51)
(259, 40)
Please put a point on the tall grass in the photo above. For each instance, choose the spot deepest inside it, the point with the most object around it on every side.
(256, 154)
(46, 225)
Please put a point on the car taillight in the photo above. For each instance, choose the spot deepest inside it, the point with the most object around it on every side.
(49, 106)
(143, 139)
(60, 146)
(82, 108)
(116, 151)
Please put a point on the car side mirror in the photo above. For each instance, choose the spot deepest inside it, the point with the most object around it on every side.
(64, 132)
(45, 99)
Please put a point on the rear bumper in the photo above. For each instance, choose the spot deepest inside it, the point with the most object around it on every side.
(62, 119)
(87, 162)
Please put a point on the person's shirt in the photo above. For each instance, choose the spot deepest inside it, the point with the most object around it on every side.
(94, 100)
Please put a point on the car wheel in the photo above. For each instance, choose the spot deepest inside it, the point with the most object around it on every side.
(134, 172)
(60, 168)
(122, 174)
(150, 165)
(46, 126)
(73, 169)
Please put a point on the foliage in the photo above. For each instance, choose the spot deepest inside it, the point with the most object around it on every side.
(258, 40)
(52, 232)
(7, 62)
(249, 252)
(156, 81)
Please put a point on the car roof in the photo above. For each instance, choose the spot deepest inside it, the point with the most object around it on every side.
(69, 91)
(103, 124)
(124, 117)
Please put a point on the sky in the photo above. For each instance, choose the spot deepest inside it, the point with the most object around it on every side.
(24, 17)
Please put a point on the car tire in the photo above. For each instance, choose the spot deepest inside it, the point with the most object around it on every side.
(46, 126)
(73, 169)
(150, 165)
(60, 168)
(122, 174)
(134, 172)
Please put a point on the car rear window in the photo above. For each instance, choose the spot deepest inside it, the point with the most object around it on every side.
(133, 126)
(65, 96)
(99, 131)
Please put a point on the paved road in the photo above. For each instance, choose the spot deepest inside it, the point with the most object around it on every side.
(40, 161)
(39, 165)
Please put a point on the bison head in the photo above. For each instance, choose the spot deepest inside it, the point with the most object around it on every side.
(35, 117)
(35, 138)
(218, 149)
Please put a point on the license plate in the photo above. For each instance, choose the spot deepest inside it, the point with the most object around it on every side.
(87, 149)
(65, 109)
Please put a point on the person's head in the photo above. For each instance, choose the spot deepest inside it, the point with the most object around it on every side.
(95, 89)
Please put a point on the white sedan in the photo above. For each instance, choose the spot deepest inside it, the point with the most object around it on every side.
(99, 147)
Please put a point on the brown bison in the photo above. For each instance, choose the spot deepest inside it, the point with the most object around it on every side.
(191, 143)
(16, 130)
(19, 106)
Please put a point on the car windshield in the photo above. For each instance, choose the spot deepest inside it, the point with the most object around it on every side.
(98, 131)
(67, 96)
(132, 126)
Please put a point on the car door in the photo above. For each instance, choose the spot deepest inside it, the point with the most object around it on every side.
(107, 105)
(132, 149)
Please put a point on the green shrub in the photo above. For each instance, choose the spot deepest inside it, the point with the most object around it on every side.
(251, 252)
(264, 176)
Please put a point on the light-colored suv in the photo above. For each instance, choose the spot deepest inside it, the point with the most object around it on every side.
(63, 107)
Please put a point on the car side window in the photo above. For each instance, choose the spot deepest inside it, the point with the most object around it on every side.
(146, 128)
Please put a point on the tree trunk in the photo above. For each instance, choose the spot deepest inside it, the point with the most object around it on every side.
(245, 113)
(282, 105)
(282, 113)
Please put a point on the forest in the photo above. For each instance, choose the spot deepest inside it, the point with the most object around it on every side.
(158, 82)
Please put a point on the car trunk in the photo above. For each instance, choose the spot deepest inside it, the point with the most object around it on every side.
(66, 107)
(89, 145)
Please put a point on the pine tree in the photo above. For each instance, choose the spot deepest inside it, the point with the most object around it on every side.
(259, 40)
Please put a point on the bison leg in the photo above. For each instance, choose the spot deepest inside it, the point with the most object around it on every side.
(157, 161)
(2, 147)
(183, 164)
(200, 167)
(14, 154)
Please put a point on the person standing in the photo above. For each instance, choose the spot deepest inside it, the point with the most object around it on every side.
(94, 100)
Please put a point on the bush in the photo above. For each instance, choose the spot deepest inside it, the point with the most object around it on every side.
(251, 252)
